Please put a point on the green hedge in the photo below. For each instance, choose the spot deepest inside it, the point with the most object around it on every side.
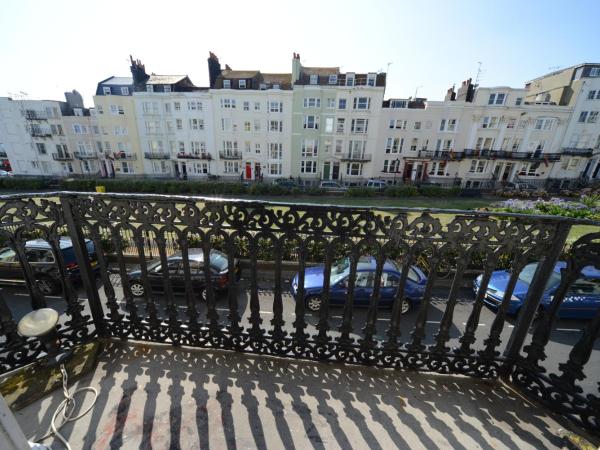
(360, 191)
(401, 191)
(17, 183)
(438, 191)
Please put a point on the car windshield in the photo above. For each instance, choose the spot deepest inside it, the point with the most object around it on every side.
(218, 261)
(526, 275)
(339, 270)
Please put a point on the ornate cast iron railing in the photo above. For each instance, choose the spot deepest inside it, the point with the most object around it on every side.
(303, 233)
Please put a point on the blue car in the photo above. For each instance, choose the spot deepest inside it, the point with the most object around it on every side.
(363, 287)
(581, 301)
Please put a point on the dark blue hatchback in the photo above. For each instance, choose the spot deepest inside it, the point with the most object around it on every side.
(363, 287)
(581, 301)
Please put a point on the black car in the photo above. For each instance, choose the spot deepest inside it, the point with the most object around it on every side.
(286, 183)
(219, 268)
(41, 259)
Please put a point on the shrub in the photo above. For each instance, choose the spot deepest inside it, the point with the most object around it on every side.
(438, 191)
(360, 191)
(18, 183)
(401, 191)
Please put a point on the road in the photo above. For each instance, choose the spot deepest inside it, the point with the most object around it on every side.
(564, 334)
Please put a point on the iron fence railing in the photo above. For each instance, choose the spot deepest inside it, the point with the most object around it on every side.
(143, 227)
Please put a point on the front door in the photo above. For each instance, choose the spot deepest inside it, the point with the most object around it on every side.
(335, 174)
(507, 172)
(497, 170)
(257, 171)
(407, 170)
(326, 170)
(248, 171)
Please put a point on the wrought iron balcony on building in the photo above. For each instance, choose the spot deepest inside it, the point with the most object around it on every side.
(573, 151)
(62, 157)
(109, 231)
(444, 155)
(204, 156)
(159, 155)
(39, 133)
(358, 157)
(31, 114)
(233, 155)
(85, 155)
(537, 156)
(125, 156)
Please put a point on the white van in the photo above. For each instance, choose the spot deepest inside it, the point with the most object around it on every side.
(377, 184)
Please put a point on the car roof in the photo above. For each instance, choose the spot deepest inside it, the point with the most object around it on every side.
(65, 242)
(197, 254)
(586, 272)
(370, 263)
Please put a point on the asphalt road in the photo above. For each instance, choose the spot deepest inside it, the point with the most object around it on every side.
(564, 334)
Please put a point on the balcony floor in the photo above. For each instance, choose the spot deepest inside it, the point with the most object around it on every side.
(154, 396)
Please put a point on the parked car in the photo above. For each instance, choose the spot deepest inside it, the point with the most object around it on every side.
(219, 268)
(581, 301)
(520, 186)
(363, 287)
(5, 173)
(379, 185)
(39, 255)
(332, 186)
(285, 183)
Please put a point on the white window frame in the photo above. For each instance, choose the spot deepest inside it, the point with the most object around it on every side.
(106, 90)
(226, 84)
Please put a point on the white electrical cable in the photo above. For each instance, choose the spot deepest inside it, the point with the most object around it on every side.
(67, 406)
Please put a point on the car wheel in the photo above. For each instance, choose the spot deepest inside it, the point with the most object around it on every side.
(137, 289)
(314, 303)
(405, 306)
(47, 285)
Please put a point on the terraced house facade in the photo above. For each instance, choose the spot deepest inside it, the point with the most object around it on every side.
(312, 124)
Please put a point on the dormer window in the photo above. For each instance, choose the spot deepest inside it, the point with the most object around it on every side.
(124, 90)
(242, 84)
(106, 90)
(262, 86)
(275, 86)
(349, 79)
(496, 99)
(77, 112)
(226, 84)
(371, 78)
(332, 79)
(314, 79)
(167, 88)
(149, 88)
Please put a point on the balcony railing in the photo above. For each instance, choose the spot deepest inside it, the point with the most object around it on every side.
(40, 133)
(537, 156)
(235, 154)
(85, 155)
(445, 155)
(125, 156)
(359, 157)
(31, 114)
(205, 156)
(446, 245)
(573, 151)
(152, 155)
(62, 157)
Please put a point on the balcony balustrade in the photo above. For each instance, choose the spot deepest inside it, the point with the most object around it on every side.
(62, 157)
(358, 157)
(572, 151)
(125, 156)
(204, 156)
(31, 114)
(159, 155)
(536, 156)
(232, 155)
(86, 155)
(130, 228)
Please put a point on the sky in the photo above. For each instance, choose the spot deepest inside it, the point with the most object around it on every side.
(49, 47)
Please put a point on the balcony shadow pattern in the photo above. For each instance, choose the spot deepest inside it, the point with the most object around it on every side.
(163, 397)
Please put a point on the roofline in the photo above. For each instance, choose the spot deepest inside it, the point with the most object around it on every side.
(576, 66)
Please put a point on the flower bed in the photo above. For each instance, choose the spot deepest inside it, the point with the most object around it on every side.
(587, 207)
